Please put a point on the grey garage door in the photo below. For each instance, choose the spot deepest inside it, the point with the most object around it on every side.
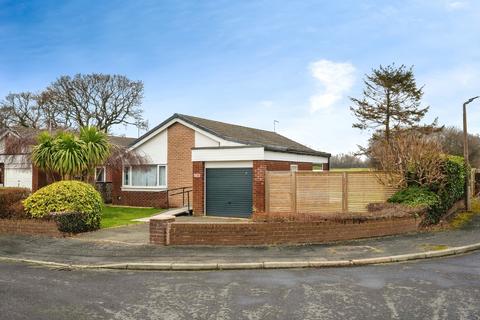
(229, 192)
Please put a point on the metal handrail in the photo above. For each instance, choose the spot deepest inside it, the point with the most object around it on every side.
(184, 191)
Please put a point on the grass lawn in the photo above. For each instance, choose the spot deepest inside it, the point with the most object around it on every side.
(114, 216)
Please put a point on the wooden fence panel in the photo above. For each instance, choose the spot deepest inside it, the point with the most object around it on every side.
(364, 188)
(319, 192)
(307, 192)
(279, 192)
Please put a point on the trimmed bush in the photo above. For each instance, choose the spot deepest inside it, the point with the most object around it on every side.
(11, 203)
(67, 196)
(440, 197)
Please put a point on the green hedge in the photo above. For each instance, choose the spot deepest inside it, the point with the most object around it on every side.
(11, 203)
(440, 197)
(67, 196)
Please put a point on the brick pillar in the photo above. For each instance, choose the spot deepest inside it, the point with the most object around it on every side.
(159, 231)
(326, 166)
(198, 188)
(259, 169)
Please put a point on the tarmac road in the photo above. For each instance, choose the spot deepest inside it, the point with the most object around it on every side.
(446, 288)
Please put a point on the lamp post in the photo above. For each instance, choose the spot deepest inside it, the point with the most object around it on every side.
(468, 204)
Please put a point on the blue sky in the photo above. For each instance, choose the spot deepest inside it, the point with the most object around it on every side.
(250, 62)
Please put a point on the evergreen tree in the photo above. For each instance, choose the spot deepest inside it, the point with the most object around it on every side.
(391, 100)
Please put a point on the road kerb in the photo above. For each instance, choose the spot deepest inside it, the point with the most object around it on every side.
(285, 264)
(239, 265)
(194, 266)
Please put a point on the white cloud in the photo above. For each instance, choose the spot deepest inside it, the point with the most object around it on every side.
(455, 5)
(335, 80)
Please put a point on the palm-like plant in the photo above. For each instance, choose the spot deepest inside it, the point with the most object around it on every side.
(70, 155)
(97, 148)
(42, 153)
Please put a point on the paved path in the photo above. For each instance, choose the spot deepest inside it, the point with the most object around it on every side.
(77, 251)
(446, 288)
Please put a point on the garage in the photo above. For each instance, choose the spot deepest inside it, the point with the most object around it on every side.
(229, 192)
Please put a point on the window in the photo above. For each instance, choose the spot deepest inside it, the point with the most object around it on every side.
(147, 176)
(100, 175)
(294, 167)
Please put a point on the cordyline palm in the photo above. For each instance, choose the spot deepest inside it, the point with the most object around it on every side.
(42, 153)
(97, 148)
(70, 155)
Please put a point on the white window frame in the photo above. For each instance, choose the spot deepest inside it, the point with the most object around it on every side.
(129, 187)
(104, 174)
(294, 167)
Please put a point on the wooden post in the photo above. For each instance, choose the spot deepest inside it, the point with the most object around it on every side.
(344, 192)
(293, 191)
(267, 191)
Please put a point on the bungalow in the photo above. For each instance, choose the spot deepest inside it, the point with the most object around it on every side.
(224, 164)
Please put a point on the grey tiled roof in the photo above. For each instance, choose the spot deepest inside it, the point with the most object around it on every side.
(249, 136)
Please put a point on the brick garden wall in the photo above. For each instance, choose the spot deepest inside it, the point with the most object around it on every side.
(273, 233)
(30, 227)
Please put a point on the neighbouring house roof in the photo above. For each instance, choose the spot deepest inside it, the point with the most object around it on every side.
(270, 140)
(121, 141)
(30, 135)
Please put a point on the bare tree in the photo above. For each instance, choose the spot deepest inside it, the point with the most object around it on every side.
(348, 160)
(409, 157)
(30, 110)
(98, 100)
(22, 110)
(451, 140)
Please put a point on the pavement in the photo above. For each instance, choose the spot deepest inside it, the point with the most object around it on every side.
(94, 253)
(446, 288)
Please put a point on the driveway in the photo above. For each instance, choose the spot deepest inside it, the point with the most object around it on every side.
(447, 288)
(130, 234)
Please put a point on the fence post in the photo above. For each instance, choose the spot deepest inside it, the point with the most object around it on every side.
(345, 192)
(267, 191)
(293, 190)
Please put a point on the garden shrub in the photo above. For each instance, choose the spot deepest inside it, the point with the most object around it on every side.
(71, 222)
(11, 203)
(415, 196)
(67, 196)
(439, 197)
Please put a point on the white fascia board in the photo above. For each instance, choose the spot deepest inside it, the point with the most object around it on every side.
(168, 124)
(228, 154)
(284, 156)
(229, 164)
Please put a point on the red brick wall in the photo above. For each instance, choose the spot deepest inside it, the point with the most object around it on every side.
(181, 140)
(30, 227)
(270, 233)
(259, 169)
(135, 198)
(198, 188)
(160, 231)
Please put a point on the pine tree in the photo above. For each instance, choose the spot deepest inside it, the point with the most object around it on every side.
(391, 100)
